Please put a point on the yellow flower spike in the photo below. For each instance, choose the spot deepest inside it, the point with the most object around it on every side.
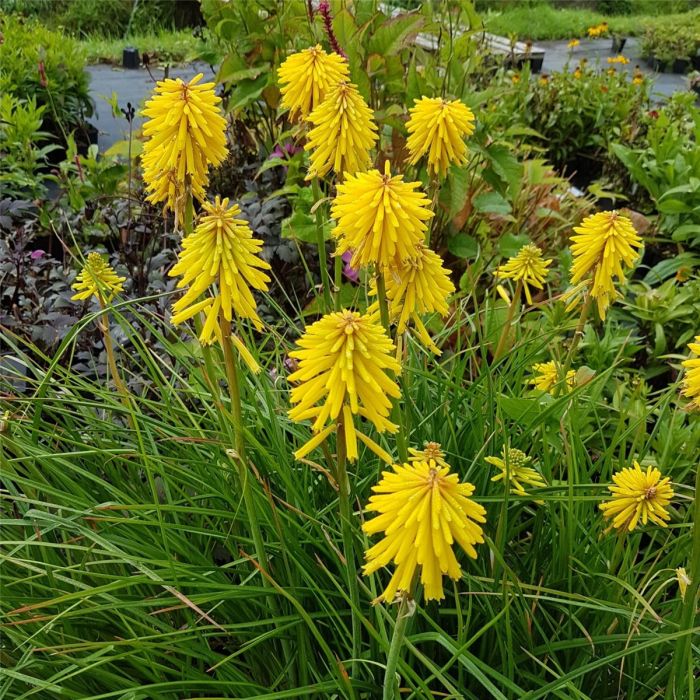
(514, 467)
(603, 245)
(683, 581)
(431, 450)
(420, 285)
(691, 381)
(423, 511)
(344, 364)
(185, 134)
(527, 266)
(221, 256)
(549, 378)
(438, 128)
(638, 495)
(306, 78)
(98, 279)
(342, 135)
(380, 218)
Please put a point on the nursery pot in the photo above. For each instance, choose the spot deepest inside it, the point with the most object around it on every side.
(656, 65)
(618, 43)
(681, 65)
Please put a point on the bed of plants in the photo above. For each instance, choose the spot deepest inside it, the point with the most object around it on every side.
(302, 395)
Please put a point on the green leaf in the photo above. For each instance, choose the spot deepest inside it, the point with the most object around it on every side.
(463, 246)
(248, 92)
(510, 243)
(505, 165)
(394, 34)
(491, 203)
(519, 409)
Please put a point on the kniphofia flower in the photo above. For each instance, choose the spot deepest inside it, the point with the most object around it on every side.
(185, 134)
(98, 279)
(691, 382)
(431, 450)
(345, 365)
(423, 511)
(638, 495)
(420, 285)
(306, 78)
(343, 134)
(438, 128)
(527, 267)
(603, 245)
(380, 218)
(683, 580)
(548, 378)
(219, 259)
(514, 467)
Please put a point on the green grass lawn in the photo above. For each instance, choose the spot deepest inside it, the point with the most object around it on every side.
(171, 46)
(545, 22)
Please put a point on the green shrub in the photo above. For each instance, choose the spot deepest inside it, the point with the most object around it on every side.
(21, 154)
(668, 41)
(37, 63)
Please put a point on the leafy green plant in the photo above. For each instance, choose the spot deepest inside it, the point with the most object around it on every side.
(47, 66)
(667, 167)
(24, 158)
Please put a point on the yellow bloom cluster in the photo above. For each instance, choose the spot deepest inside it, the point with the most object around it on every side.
(549, 378)
(380, 218)
(98, 279)
(306, 78)
(420, 285)
(598, 30)
(345, 361)
(622, 60)
(423, 510)
(514, 468)
(573, 43)
(344, 132)
(527, 267)
(186, 133)
(437, 128)
(604, 243)
(221, 255)
(638, 495)
(691, 382)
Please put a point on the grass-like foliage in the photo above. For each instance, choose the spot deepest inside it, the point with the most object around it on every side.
(129, 567)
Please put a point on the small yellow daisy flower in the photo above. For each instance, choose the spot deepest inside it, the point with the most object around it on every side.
(691, 381)
(528, 267)
(438, 128)
(638, 495)
(573, 44)
(306, 78)
(423, 510)
(549, 377)
(98, 279)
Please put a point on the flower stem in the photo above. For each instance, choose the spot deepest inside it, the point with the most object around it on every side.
(391, 691)
(321, 245)
(578, 334)
(338, 282)
(236, 408)
(679, 669)
(396, 413)
(345, 506)
(505, 333)
(103, 324)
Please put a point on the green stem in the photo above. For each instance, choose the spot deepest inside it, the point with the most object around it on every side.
(338, 283)
(383, 302)
(188, 217)
(396, 413)
(321, 245)
(391, 689)
(237, 411)
(345, 506)
(679, 670)
(578, 334)
(505, 333)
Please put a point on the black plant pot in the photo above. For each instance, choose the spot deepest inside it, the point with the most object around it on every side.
(618, 44)
(695, 60)
(656, 65)
(680, 65)
(696, 89)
